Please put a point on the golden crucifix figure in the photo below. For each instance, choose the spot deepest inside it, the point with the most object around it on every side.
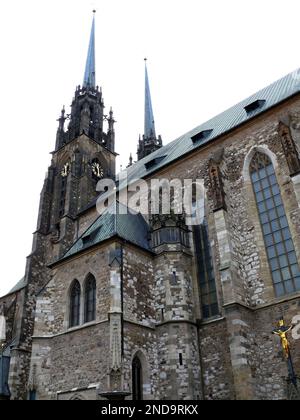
(282, 332)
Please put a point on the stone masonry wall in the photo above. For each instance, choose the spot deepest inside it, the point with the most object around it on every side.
(216, 363)
(141, 341)
(177, 341)
(248, 255)
(52, 313)
(138, 286)
(59, 353)
(248, 264)
(239, 356)
(271, 373)
(74, 360)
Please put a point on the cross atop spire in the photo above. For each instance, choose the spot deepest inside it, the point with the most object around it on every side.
(90, 68)
(149, 117)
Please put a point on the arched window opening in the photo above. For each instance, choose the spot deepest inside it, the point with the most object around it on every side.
(32, 395)
(137, 379)
(277, 236)
(90, 299)
(75, 304)
(208, 290)
(62, 201)
(205, 266)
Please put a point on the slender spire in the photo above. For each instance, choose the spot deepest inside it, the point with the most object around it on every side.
(149, 143)
(149, 117)
(90, 68)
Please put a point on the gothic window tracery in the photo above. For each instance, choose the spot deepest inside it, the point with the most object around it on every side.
(206, 274)
(75, 294)
(216, 186)
(90, 299)
(277, 236)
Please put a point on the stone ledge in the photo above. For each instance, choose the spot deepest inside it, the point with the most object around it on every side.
(91, 386)
(177, 321)
(274, 302)
(139, 324)
(212, 321)
(278, 301)
(70, 331)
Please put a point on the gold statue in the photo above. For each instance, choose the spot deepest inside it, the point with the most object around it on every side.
(282, 331)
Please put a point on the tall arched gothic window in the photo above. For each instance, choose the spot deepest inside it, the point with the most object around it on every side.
(206, 274)
(137, 379)
(62, 201)
(208, 291)
(90, 299)
(63, 190)
(75, 294)
(277, 236)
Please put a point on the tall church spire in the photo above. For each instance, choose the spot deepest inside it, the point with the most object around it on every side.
(90, 68)
(87, 109)
(149, 143)
(149, 117)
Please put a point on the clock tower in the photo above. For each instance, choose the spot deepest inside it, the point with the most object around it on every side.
(84, 153)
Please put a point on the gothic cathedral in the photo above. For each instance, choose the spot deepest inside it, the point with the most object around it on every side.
(129, 306)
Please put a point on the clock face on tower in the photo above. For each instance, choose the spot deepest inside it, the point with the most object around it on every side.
(97, 170)
(65, 170)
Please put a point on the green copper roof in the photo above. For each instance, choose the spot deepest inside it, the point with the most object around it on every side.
(131, 227)
(19, 286)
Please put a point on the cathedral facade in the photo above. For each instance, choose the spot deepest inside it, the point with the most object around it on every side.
(123, 304)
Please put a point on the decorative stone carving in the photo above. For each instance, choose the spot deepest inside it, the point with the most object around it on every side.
(115, 320)
(289, 148)
(216, 186)
(55, 234)
(2, 308)
(165, 220)
(116, 380)
(32, 378)
(2, 328)
(218, 156)
(293, 392)
(85, 118)
(115, 374)
(115, 346)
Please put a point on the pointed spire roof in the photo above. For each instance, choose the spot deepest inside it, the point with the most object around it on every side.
(149, 117)
(90, 68)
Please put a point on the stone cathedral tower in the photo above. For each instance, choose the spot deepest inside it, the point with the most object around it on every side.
(151, 307)
(84, 153)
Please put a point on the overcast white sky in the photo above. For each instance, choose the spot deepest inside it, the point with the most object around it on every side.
(204, 56)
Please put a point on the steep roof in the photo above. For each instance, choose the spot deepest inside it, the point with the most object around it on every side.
(90, 68)
(131, 227)
(223, 123)
(19, 286)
